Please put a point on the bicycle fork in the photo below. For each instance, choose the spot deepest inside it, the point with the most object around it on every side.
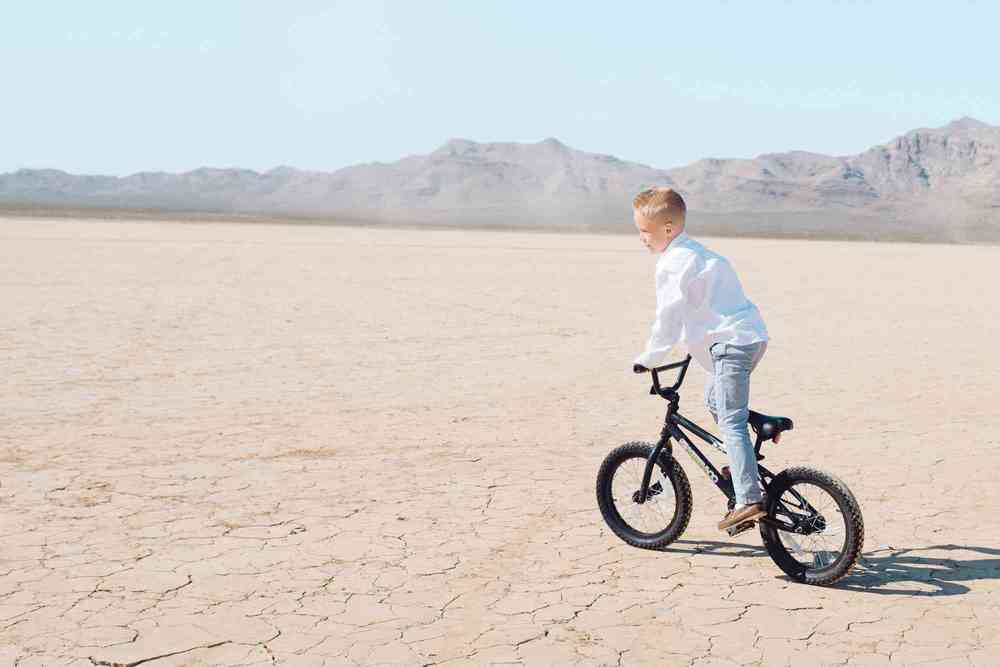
(654, 456)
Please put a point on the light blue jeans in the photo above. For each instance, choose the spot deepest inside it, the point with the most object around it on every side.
(728, 398)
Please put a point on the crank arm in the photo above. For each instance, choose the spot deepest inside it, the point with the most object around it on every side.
(774, 523)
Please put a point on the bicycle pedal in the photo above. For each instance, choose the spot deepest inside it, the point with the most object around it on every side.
(733, 531)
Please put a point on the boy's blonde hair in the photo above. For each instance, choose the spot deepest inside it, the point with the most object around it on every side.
(661, 205)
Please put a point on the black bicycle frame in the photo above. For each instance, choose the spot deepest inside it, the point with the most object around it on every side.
(673, 428)
(673, 425)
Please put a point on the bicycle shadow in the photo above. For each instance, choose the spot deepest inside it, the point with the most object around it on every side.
(713, 548)
(924, 571)
(913, 572)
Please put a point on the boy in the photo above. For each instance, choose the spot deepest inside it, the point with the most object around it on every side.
(700, 303)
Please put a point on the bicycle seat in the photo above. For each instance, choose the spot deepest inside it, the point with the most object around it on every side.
(768, 427)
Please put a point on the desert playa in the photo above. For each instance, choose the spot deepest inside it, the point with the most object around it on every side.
(255, 444)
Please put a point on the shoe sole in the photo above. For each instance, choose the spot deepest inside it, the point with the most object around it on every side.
(740, 528)
(751, 517)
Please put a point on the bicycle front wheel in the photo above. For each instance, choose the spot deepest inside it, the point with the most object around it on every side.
(663, 517)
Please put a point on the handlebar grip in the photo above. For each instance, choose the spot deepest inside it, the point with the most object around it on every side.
(638, 369)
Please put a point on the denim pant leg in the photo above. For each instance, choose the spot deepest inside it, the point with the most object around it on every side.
(728, 397)
(710, 397)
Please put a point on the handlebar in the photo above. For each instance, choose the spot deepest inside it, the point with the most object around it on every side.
(669, 393)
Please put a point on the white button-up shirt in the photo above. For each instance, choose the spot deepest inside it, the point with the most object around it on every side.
(699, 302)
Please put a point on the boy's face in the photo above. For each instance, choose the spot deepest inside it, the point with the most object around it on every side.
(654, 235)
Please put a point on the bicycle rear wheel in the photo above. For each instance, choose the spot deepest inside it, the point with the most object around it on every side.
(825, 528)
(663, 517)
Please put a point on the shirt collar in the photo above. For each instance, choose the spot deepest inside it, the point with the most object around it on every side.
(677, 240)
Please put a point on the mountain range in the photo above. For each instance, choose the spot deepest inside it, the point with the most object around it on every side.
(930, 183)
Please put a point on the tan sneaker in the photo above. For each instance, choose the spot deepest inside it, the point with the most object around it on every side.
(740, 514)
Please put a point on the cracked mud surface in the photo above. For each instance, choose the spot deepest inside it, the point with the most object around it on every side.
(262, 444)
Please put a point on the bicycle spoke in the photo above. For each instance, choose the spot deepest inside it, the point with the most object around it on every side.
(656, 513)
(819, 514)
(794, 543)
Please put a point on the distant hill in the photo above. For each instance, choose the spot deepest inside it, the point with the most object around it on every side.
(917, 186)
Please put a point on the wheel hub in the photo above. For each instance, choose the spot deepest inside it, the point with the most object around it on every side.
(813, 524)
(654, 490)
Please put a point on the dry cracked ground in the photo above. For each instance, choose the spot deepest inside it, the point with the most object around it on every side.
(226, 444)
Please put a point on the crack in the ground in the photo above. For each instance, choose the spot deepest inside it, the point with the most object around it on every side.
(134, 663)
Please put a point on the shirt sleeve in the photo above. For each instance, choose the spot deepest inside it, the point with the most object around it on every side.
(674, 288)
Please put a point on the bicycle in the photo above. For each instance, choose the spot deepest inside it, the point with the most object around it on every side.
(812, 540)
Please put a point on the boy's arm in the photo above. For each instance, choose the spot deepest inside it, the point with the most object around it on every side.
(672, 296)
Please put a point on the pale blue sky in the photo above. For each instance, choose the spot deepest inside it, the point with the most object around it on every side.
(118, 87)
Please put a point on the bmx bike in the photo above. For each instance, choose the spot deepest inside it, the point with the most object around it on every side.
(813, 529)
